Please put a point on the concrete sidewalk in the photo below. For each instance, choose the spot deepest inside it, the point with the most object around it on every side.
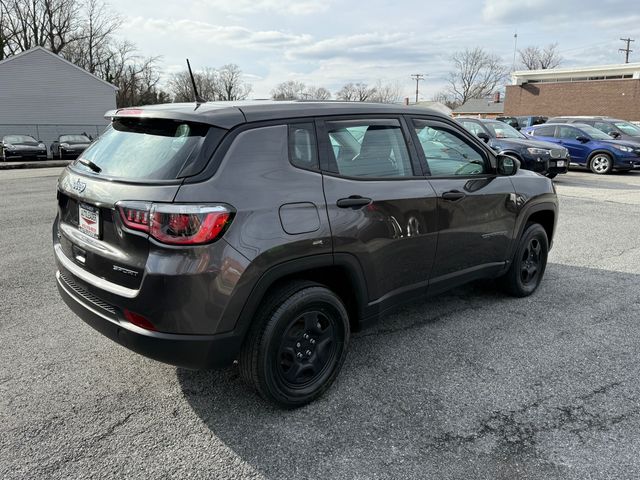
(34, 164)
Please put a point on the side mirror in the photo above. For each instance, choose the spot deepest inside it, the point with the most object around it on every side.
(507, 165)
(582, 139)
(484, 137)
(615, 134)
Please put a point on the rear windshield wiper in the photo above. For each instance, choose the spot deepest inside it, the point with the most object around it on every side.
(90, 164)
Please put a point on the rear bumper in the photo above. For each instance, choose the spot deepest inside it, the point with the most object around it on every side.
(188, 351)
(18, 155)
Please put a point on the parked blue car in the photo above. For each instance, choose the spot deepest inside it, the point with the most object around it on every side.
(589, 147)
(544, 158)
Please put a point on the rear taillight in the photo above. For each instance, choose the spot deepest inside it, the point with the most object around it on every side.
(177, 224)
(135, 215)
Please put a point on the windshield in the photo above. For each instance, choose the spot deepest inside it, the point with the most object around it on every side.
(628, 128)
(593, 132)
(19, 139)
(502, 130)
(74, 139)
(149, 149)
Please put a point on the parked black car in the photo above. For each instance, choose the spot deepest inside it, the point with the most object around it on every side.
(523, 121)
(22, 147)
(267, 233)
(615, 128)
(545, 158)
(69, 146)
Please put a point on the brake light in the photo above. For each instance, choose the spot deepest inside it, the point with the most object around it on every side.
(176, 224)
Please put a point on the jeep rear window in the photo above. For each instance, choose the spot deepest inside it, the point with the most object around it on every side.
(150, 149)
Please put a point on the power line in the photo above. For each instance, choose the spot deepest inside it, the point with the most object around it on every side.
(417, 77)
(627, 50)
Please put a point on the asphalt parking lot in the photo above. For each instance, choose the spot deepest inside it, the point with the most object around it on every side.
(471, 384)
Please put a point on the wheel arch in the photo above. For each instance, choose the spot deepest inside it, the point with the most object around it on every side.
(341, 273)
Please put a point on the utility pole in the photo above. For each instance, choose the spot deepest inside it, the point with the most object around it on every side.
(417, 77)
(627, 50)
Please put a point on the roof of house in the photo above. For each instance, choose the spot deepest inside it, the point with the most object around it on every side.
(480, 105)
(572, 73)
(58, 57)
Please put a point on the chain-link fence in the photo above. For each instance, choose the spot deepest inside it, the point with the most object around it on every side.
(49, 133)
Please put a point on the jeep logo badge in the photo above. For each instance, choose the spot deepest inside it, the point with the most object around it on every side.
(79, 186)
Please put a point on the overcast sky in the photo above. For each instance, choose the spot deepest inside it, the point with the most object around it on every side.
(330, 42)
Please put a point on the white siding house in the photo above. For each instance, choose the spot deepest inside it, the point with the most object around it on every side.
(43, 95)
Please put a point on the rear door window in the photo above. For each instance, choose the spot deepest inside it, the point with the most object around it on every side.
(546, 131)
(368, 148)
(151, 149)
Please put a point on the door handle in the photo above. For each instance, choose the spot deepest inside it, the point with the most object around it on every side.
(453, 195)
(354, 201)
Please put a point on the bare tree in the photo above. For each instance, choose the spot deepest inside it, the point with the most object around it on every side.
(94, 46)
(356, 92)
(386, 92)
(294, 90)
(533, 58)
(316, 93)
(181, 88)
(231, 85)
(52, 24)
(289, 90)
(476, 74)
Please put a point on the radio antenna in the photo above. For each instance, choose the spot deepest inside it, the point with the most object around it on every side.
(196, 95)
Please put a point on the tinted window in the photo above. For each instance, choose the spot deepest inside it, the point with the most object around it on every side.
(604, 127)
(447, 153)
(20, 139)
(374, 149)
(568, 132)
(147, 149)
(502, 130)
(628, 128)
(74, 139)
(546, 131)
(592, 132)
(302, 145)
(472, 126)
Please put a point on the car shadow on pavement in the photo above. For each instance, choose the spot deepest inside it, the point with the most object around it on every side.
(468, 384)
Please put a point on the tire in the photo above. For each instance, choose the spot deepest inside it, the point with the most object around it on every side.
(529, 262)
(298, 344)
(601, 163)
(551, 175)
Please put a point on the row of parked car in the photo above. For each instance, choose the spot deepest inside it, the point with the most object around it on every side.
(25, 147)
(550, 145)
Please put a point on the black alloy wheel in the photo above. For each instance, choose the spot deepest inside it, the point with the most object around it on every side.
(297, 344)
(529, 262)
(307, 349)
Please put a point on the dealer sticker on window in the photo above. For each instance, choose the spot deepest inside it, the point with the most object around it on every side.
(89, 220)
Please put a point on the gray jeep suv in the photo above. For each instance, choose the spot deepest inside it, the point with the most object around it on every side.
(206, 234)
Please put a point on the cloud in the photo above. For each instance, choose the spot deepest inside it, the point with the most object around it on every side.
(527, 11)
(235, 36)
(284, 7)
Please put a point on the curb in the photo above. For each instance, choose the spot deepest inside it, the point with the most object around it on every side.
(38, 164)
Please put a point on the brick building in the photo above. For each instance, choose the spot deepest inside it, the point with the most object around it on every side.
(612, 90)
